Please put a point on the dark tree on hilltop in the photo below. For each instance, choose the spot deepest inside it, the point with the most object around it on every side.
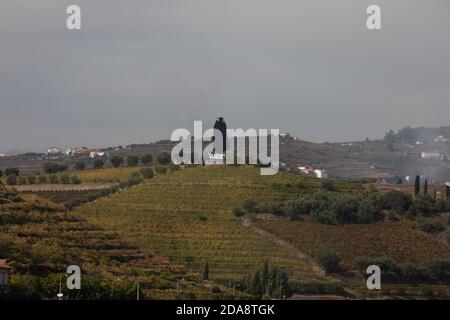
(417, 186)
(425, 187)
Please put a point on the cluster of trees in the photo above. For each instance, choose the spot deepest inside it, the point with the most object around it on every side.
(432, 271)
(348, 208)
(267, 281)
(412, 135)
(146, 160)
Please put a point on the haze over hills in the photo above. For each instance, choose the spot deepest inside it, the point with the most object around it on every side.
(410, 151)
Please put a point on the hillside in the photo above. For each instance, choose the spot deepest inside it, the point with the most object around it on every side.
(186, 216)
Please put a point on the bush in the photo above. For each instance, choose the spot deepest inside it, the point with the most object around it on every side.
(396, 200)
(249, 205)
(12, 172)
(161, 169)
(327, 185)
(329, 261)
(429, 227)
(164, 158)
(132, 161)
(385, 264)
(98, 164)
(11, 179)
(438, 269)
(147, 159)
(237, 211)
(53, 178)
(75, 180)
(42, 178)
(202, 218)
(52, 167)
(80, 166)
(64, 178)
(31, 179)
(320, 287)
(146, 173)
(116, 161)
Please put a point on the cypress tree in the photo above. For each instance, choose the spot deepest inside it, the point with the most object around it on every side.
(425, 187)
(417, 186)
(206, 271)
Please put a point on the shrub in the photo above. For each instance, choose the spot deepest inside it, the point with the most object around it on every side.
(396, 200)
(11, 179)
(146, 173)
(430, 227)
(321, 287)
(132, 161)
(75, 180)
(53, 167)
(147, 159)
(116, 161)
(42, 178)
(438, 269)
(427, 291)
(237, 211)
(249, 205)
(161, 169)
(12, 172)
(202, 218)
(98, 164)
(327, 185)
(31, 179)
(80, 166)
(329, 261)
(53, 178)
(385, 264)
(164, 158)
(64, 178)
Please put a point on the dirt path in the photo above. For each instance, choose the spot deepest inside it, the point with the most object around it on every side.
(291, 248)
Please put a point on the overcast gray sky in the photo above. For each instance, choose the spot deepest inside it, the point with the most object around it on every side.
(139, 69)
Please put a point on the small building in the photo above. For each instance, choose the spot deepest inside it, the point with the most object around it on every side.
(447, 189)
(321, 173)
(310, 171)
(433, 155)
(4, 272)
(53, 151)
(97, 154)
(76, 150)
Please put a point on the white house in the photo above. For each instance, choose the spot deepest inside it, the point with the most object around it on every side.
(4, 272)
(75, 150)
(321, 173)
(97, 154)
(435, 155)
(53, 151)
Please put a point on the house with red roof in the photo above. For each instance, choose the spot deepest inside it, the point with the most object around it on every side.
(4, 272)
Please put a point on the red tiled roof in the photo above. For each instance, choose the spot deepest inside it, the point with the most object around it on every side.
(3, 264)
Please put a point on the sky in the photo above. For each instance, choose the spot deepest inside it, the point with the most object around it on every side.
(139, 69)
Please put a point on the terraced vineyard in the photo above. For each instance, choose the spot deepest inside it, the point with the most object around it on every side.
(392, 239)
(186, 215)
(105, 175)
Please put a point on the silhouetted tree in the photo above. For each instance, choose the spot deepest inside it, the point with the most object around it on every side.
(417, 186)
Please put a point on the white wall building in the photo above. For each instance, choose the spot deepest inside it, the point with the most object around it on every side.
(4, 272)
(430, 155)
(321, 173)
(53, 150)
